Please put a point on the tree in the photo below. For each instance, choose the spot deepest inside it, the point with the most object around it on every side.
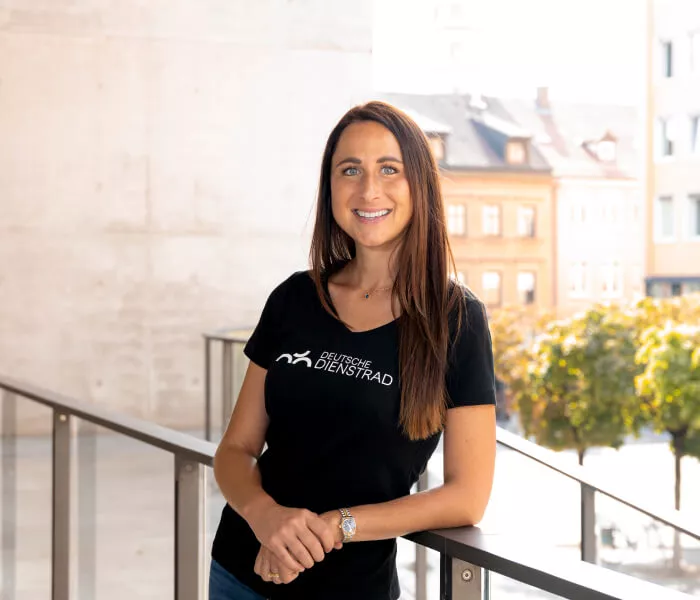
(580, 389)
(670, 390)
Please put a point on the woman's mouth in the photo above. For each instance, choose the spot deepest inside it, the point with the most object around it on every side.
(367, 216)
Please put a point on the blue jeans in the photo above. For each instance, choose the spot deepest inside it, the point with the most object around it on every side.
(224, 586)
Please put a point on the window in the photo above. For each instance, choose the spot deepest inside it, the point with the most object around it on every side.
(664, 137)
(578, 212)
(437, 145)
(667, 59)
(695, 52)
(611, 280)
(526, 287)
(607, 151)
(516, 153)
(665, 220)
(492, 220)
(578, 279)
(456, 219)
(491, 283)
(526, 221)
(694, 214)
(695, 132)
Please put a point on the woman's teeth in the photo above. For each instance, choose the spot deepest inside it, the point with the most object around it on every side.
(371, 215)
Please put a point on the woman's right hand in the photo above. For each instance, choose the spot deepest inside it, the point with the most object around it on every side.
(299, 538)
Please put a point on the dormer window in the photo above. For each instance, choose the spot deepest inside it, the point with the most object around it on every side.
(437, 145)
(516, 152)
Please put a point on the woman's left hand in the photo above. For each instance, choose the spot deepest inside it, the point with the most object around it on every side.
(268, 568)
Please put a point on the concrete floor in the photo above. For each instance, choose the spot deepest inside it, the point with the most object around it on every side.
(133, 521)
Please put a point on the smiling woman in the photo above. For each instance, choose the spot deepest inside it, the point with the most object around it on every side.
(357, 368)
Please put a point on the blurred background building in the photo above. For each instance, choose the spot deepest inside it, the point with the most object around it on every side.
(673, 157)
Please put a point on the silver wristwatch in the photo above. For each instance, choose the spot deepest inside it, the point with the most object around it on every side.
(347, 525)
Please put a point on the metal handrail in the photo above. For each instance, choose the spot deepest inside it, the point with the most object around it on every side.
(671, 517)
(463, 550)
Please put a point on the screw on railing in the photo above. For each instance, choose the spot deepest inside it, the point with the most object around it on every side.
(461, 580)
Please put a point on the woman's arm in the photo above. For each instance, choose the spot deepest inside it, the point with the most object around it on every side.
(469, 462)
(298, 537)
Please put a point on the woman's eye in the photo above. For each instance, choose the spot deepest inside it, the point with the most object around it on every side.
(389, 170)
(351, 171)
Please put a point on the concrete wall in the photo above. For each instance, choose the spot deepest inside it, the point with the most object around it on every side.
(158, 168)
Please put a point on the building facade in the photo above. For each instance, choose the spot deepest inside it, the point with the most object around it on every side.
(673, 150)
(499, 197)
(600, 224)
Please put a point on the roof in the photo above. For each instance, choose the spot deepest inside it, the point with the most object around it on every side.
(477, 136)
(563, 138)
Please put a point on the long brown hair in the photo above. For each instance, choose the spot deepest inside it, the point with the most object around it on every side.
(424, 260)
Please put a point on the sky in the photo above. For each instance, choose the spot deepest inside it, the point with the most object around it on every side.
(587, 50)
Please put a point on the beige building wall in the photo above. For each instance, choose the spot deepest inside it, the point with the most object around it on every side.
(477, 252)
(600, 246)
(674, 232)
(158, 168)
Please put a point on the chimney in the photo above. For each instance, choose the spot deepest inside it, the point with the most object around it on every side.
(542, 101)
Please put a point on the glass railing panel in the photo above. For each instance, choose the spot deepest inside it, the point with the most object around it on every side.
(25, 499)
(125, 518)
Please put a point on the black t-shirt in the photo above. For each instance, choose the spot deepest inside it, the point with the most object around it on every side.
(334, 440)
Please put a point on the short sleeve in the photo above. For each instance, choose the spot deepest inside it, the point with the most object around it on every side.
(261, 345)
(470, 378)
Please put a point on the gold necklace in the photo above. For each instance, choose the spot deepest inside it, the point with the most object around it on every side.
(369, 293)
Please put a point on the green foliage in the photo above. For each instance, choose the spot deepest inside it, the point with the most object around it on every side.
(669, 386)
(581, 383)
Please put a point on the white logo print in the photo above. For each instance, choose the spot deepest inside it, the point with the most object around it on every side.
(296, 358)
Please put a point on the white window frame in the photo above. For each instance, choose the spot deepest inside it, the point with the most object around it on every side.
(666, 63)
(665, 142)
(579, 280)
(695, 52)
(611, 277)
(695, 132)
(527, 282)
(527, 221)
(491, 213)
(694, 217)
(457, 219)
(486, 285)
(659, 235)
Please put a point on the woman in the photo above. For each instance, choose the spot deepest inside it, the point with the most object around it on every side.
(356, 368)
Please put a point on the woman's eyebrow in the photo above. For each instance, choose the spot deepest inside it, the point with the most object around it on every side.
(350, 159)
(384, 159)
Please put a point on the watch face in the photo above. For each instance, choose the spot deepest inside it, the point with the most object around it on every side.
(349, 526)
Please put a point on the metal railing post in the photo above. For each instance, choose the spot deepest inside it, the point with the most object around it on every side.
(226, 383)
(60, 522)
(462, 580)
(422, 551)
(9, 495)
(589, 543)
(189, 529)
(87, 510)
(207, 389)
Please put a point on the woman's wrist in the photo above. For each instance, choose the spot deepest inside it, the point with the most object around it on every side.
(251, 510)
(333, 518)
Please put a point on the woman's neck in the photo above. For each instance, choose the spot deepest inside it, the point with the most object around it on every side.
(372, 269)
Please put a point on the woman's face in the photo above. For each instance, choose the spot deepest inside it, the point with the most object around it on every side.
(370, 195)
